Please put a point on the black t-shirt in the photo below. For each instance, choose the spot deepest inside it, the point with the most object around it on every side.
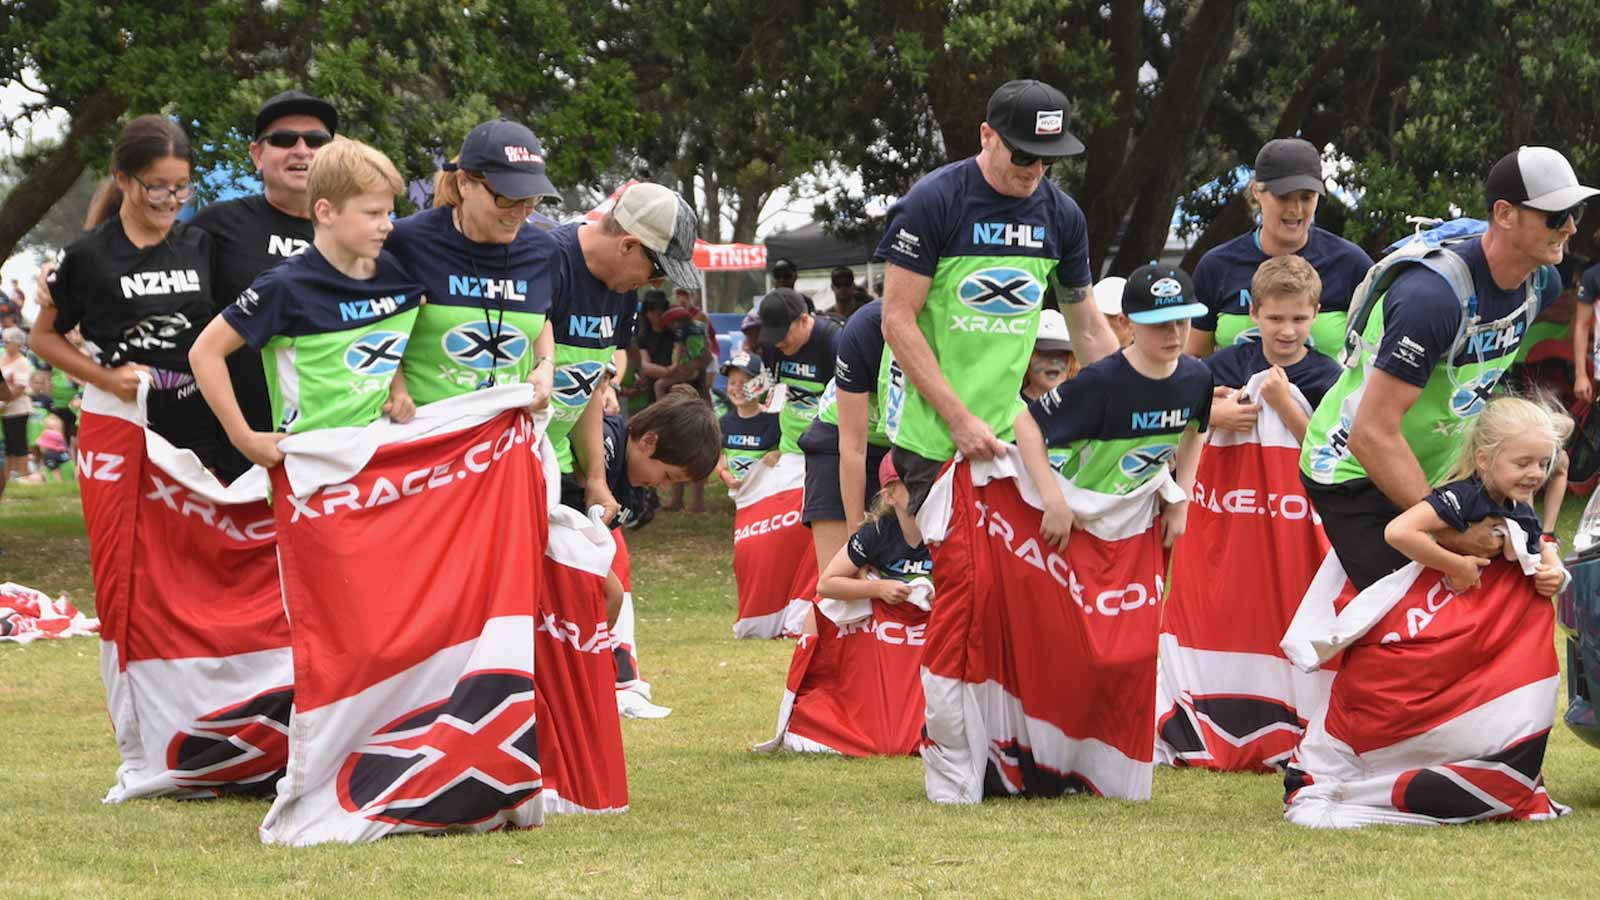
(1234, 365)
(137, 305)
(1461, 503)
(248, 237)
(882, 545)
(1421, 315)
(656, 344)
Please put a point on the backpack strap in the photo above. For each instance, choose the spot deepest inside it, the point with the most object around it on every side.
(1441, 261)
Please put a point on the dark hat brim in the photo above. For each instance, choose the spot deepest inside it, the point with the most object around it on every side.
(1064, 144)
(315, 107)
(1290, 183)
(519, 184)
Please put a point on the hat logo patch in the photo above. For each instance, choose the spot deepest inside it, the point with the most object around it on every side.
(1048, 121)
(1166, 290)
(518, 154)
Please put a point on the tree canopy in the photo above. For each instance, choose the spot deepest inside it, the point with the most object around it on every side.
(731, 102)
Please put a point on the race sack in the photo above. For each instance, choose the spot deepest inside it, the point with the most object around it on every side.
(194, 646)
(855, 687)
(412, 560)
(1227, 698)
(774, 561)
(1039, 672)
(26, 615)
(580, 735)
(1442, 706)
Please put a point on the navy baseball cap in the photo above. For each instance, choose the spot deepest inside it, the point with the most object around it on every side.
(509, 157)
(296, 103)
(1155, 294)
(746, 362)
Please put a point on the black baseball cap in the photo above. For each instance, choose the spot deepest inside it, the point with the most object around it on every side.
(1290, 164)
(779, 309)
(1538, 178)
(655, 300)
(1032, 117)
(843, 276)
(509, 157)
(296, 103)
(1156, 293)
(783, 265)
(744, 361)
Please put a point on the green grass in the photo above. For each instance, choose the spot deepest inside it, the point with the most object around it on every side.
(708, 817)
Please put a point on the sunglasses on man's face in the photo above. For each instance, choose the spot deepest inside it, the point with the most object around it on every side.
(285, 140)
(1025, 159)
(656, 271)
(1555, 221)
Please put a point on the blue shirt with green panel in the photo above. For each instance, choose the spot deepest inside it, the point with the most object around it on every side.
(486, 305)
(991, 259)
(331, 344)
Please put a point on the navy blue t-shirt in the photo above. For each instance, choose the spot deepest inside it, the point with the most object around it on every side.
(860, 346)
(457, 271)
(630, 500)
(1421, 315)
(1235, 365)
(882, 545)
(757, 434)
(1110, 429)
(1222, 277)
(1461, 503)
(953, 213)
(305, 295)
(1589, 285)
(583, 311)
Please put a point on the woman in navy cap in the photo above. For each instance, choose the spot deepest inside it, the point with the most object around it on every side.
(486, 272)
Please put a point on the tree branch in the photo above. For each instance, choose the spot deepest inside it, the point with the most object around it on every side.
(47, 180)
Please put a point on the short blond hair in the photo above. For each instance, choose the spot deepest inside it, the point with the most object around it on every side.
(1286, 276)
(348, 168)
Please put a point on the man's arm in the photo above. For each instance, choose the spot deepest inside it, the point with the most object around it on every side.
(1582, 328)
(589, 458)
(1091, 336)
(905, 293)
(1377, 443)
(852, 409)
(1200, 343)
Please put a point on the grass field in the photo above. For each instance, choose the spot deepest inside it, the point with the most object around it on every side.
(708, 817)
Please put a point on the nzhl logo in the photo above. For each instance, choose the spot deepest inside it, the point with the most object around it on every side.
(174, 281)
(1008, 234)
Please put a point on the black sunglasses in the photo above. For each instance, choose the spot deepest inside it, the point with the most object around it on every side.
(1555, 221)
(501, 200)
(655, 263)
(1024, 159)
(284, 140)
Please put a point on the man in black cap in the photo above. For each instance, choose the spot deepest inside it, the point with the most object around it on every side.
(972, 250)
(784, 273)
(1393, 426)
(800, 348)
(252, 234)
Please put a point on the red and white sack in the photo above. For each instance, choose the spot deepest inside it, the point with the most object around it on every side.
(855, 687)
(1227, 698)
(412, 561)
(1442, 705)
(26, 615)
(1039, 673)
(194, 646)
(774, 560)
(580, 735)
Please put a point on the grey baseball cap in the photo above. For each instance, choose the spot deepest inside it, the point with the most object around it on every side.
(1290, 164)
(666, 224)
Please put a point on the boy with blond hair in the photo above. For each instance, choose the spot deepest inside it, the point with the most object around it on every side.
(331, 323)
(1284, 296)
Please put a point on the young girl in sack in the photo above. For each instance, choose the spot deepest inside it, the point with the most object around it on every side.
(1511, 452)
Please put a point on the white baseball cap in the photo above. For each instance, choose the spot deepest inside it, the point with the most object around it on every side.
(1536, 177)
(1053, 334)
(1108, 295)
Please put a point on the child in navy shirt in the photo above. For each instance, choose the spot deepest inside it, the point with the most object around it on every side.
(750, 437)
(887, 546)
(1283, 306)
(1509, 454)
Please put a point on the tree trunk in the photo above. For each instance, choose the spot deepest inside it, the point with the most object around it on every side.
(1157, 160)
(49, 181)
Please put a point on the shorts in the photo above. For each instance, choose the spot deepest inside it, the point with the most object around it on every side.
(69, 420)
(824, 501)
(180, 414)
(919, 473)
(54, 461)
(1354, 515)
(15, 431)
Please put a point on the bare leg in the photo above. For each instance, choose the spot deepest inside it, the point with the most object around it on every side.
(828, 538)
